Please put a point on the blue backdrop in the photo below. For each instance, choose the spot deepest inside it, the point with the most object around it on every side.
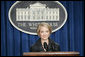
(70, 36)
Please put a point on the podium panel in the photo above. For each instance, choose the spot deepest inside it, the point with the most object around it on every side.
(51, 54)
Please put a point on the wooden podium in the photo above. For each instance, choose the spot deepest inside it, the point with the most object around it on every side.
(51, 54)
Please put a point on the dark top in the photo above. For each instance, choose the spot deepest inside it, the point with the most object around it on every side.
(52, 46)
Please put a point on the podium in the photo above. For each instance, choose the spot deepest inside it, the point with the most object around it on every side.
(51, 54)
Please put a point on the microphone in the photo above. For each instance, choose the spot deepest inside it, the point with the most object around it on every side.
(46, 46)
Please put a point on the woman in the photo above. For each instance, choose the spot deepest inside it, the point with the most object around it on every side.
(44, 43)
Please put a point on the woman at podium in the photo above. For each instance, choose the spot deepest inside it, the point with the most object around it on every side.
(44, 43)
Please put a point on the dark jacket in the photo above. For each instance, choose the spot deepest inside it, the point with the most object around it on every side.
(37, 47)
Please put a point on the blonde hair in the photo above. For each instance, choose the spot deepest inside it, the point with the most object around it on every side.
(43, 24)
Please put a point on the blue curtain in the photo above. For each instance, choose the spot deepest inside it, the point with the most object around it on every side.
(70, 36)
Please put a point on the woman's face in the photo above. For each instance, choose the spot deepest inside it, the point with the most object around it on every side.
(44, 33)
